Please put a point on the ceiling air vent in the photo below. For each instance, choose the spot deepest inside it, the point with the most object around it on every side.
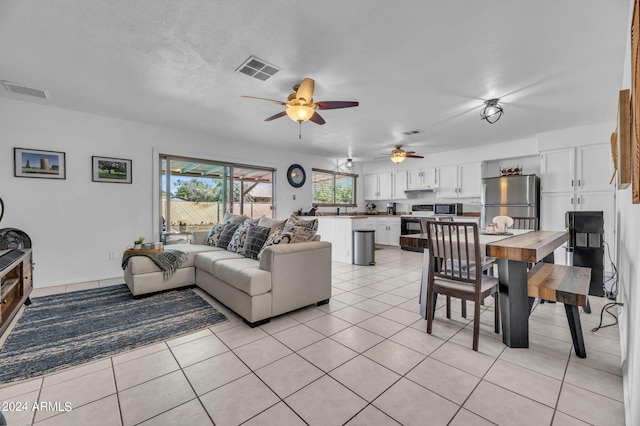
(257, 68)
(412, 132)
(25, 90)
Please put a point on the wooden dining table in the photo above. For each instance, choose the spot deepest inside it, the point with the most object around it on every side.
(513, 254)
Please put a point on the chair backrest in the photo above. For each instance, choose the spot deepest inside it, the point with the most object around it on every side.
(525, 223)
(455, 251)
(423, 224)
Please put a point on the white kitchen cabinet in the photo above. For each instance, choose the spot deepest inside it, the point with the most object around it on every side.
(460, 181)
(388, 231)
(586, 168)
(378, 186)
(422, 178)
(399, 185)
(385, 186)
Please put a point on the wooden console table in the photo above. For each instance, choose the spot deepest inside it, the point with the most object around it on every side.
(16, 284)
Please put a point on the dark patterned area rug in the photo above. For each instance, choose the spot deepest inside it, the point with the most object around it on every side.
(64, 330)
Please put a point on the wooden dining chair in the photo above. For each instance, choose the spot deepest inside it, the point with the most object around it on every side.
(454, 251)
(525, 223)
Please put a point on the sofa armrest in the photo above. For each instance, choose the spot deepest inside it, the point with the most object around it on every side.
(300, 274)
(199, 237)
(271, 254)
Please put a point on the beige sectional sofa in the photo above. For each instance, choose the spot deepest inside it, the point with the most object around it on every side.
(286, 277)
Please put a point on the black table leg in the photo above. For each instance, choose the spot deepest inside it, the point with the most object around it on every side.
(514, 303)
(573, 315)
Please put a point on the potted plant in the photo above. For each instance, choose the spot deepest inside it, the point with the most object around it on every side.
(137, 244)
(182, 226)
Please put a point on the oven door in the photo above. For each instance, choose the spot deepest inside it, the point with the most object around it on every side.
(409, 225)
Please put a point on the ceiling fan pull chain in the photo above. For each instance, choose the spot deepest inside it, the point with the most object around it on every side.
(300, 132)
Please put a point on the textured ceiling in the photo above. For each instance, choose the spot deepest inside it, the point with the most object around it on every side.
(417, 64)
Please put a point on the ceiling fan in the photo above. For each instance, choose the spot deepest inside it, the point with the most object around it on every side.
(300, 106)
(398, 155)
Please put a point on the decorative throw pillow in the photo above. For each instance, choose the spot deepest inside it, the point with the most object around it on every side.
(250, 221)
(237, 240)
(300, 233)
(307, 223)
(226, 234)
(233, 218)
(214, 234)
(281, 237)
(275, 224)
(256, 236)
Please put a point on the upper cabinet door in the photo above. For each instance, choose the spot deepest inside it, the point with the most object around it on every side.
(470, 180)
(448, 182)
(399, 185)
(594, 168)
(429, 177)
(557, 170)
(385, 186)
(370, 187)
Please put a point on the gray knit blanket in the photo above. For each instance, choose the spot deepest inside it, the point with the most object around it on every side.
(168, 260)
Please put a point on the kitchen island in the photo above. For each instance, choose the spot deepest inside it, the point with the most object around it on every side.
(338, 230)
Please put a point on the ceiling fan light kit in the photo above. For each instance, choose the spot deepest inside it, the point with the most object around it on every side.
(398, 155)
(349, 164)
(300, 112)
(492, 111)
(300, 106)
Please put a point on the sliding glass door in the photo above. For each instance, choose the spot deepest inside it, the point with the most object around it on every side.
(196, 193)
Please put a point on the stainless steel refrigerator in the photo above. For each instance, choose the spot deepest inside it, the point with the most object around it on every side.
(515, 196)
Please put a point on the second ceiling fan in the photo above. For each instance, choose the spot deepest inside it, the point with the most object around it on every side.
(398, 155)
(300, 106)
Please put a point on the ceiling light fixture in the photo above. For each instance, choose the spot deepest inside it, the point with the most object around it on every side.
(300, 113)
(349, 164)
(398, 155)
(492, 111)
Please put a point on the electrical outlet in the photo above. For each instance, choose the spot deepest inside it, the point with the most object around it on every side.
(113, 255)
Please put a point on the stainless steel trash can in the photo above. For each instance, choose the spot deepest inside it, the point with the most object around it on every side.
(364, 247)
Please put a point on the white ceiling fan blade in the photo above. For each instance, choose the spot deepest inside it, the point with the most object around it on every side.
(305, 91)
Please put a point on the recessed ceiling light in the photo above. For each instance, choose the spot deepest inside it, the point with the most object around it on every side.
(257, 68)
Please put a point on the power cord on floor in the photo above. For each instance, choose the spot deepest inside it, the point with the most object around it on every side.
(614, 287)
(606, 308)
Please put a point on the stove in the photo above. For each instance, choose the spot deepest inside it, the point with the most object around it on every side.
(410, 224)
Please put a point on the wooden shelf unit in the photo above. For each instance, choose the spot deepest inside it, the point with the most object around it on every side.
(16, 285)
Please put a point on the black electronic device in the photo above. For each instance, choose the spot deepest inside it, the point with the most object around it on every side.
(586, 245)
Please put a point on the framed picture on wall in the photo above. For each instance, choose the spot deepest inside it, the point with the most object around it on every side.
(114, 170)
(35, 163)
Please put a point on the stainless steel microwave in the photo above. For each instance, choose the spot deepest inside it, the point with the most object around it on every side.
(449, 208)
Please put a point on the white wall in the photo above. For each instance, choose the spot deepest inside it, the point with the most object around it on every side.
(74, 223)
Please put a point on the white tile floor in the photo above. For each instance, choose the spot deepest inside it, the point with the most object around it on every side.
(362, 359)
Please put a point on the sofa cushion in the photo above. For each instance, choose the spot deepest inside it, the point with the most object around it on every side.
(243, 274)
(144, 265)
(226, 234)
(206, 260)
(237, 240)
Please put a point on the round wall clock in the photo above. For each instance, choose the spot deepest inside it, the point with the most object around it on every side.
(296, 175)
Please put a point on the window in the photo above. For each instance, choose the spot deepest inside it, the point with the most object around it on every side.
(196, 193)
(333, 188)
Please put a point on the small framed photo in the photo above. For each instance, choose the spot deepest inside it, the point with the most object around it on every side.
(35, 163)
(114, 170)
